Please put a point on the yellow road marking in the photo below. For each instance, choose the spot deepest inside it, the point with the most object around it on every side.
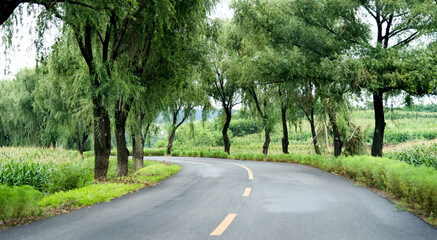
(222, 227)
(247, 169)
(249, 172)
(247, 192)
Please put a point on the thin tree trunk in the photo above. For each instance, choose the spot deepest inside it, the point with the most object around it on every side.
(170, 140)
(139, 144)
(338, 143)
(226, 140)
(38, 141)
(134, 150)
(313, 133)
(378, 136)
(78, 142)
(266, 142)
(82, 145)
(285, 141)
(121, 112)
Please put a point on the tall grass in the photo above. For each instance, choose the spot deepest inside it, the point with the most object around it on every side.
(46, 170)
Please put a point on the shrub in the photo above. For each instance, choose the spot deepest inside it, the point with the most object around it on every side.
(242, 127)
(155, 152)
(18, 202)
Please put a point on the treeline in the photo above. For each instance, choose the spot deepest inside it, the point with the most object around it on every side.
(119, 64)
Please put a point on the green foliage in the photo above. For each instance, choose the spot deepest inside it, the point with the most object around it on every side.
(154, 152)
(417, 155)
(242, 127)
(46, 170)
(18, 201)
(198, 134)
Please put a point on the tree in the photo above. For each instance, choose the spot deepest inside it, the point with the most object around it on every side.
(270, 61)
(68, 74)
(181, 102)
(101, 33)
(220, 79)
(398, 23)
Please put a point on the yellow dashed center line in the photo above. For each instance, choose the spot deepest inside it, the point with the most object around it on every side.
(247, 192)
(222, 227)
(247, 169)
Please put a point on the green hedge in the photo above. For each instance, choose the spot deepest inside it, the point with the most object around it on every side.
(16, 202)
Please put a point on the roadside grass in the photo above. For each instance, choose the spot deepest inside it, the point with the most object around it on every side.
(24, 204)
(87, 196)
(152, 173)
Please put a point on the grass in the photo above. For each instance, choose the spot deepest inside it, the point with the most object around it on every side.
(152, 173)
(87, 196)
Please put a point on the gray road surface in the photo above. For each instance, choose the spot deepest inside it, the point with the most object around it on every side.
(286, 201)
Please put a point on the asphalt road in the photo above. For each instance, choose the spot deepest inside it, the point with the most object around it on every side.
(216, 199)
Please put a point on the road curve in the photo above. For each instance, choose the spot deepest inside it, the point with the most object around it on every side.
(216, 199)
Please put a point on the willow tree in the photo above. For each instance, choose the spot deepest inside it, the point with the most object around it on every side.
(398, 23)
(219, 76)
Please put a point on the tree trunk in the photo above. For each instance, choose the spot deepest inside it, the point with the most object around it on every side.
(143, 137)
(102, 139)
(170, 140)
(338, 144)
(226, 140)
(285, 141)
(139, 145)
(378, 136)
(81, 142)
(38, 141)
(121, 112)
(134, 150)
(266, 142)
(313, 133)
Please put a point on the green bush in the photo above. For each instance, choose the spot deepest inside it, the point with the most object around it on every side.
(18, 202)
(248, 156)
(242, 127)
(155, 152)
